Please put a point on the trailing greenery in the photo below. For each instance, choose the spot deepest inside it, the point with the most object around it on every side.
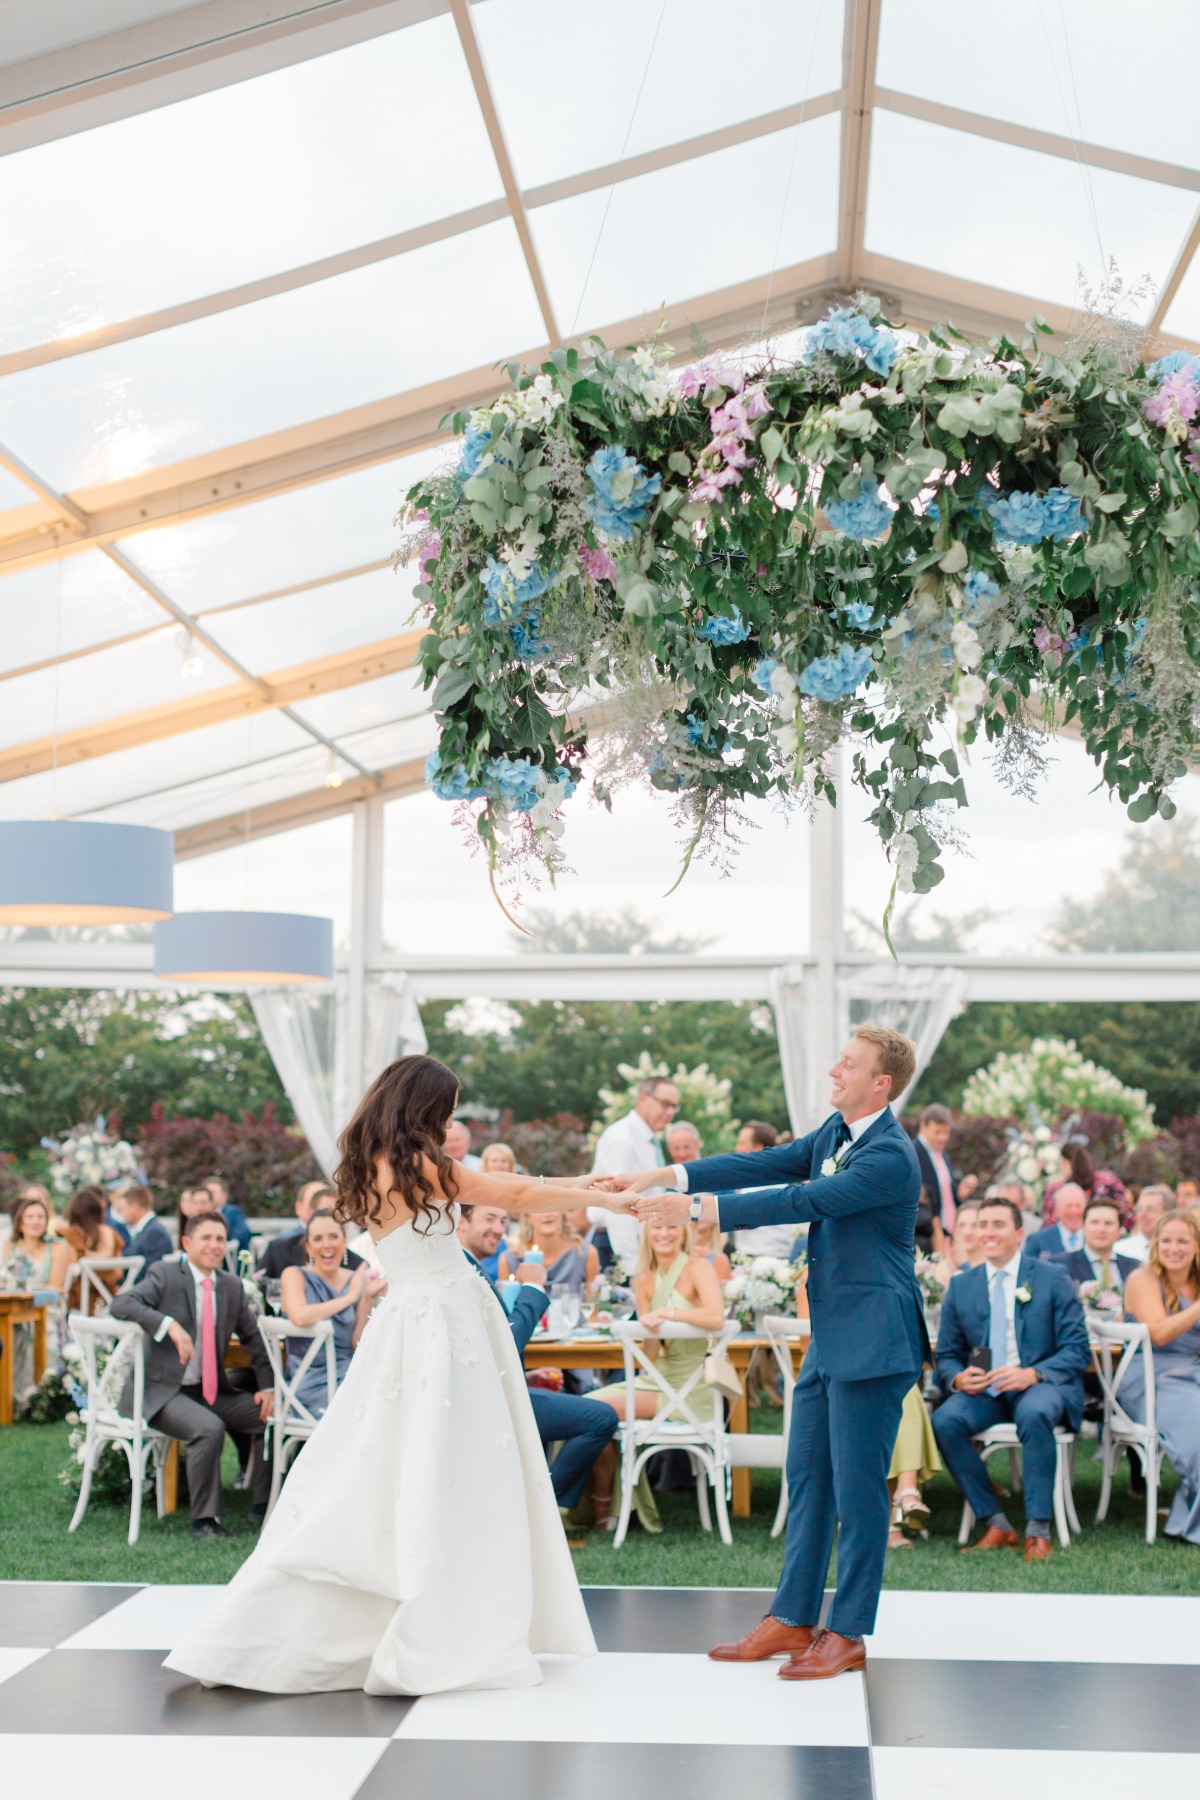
(753, 562)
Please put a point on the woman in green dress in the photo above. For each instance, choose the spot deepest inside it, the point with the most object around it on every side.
(671, 1286)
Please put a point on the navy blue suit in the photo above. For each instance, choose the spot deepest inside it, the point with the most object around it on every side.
(868, 1346)
(237, 1225)
(579, 1427)
(1051, 1338)
(153, 1242)
(1046, 1243)
(1079, 1268)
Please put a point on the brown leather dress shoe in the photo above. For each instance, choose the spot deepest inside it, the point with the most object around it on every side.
(769, 1638)
(1037, 1549)
(828, 1654)
(994, 1539)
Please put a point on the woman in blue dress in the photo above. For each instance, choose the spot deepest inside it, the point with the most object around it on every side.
(323, 1288)
(1164, 1296)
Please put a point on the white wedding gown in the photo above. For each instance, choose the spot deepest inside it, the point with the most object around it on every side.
(416, 1545)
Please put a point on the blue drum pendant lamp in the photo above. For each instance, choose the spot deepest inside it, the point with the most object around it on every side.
(260, 948)
(72, 872)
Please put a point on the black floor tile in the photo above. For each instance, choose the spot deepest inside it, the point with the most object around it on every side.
(1032, 1706)
(129, 1692)
(511, 1771)
(40, 1614)
(671, 1619)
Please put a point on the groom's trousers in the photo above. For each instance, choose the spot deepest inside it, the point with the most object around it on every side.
(839, 1452)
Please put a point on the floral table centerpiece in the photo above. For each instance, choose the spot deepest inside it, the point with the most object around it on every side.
(761, 1285)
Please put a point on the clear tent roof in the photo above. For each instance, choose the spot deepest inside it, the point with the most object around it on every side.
(252, 253)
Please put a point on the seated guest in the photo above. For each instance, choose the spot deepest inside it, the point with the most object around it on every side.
(145, 1233)
(1187, 1194)
(963, 1251)
(684, 1144)
(968, 1188)
(36, 1262)
(565, 1257)
(458, 1144)
(580, 1427)
(1028, 1316)
(498, 1159)
(1153, 1201)
(289, 1249)
(1066, 1234)
(236, 1222)
(1099, 1260)
(683, 1141)
(189, 1310)
(325, 1289)
(709, 1242)
(672, 1286)
(591, 1235)
(87, 1234)
(762, 1240)
(915, 1460)
(1165, 1297)
(935, 1217)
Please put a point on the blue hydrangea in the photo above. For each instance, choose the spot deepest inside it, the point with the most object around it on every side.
(516, 780)
(858, 614)
(622, 492)
(867, 516)
(474, 444)
(762, 672)
(1173, 362)
(720, 630)
(698, 731)
(450, 784)
(834, 676)
(1028, 518)
(845, 332)
(506, 596)
(526, 634)
(978, 586)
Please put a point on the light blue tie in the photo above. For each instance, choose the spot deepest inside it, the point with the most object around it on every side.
(999, 1332)
(1072, 1239)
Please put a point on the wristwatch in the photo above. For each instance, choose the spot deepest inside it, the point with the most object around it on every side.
(695, 1210)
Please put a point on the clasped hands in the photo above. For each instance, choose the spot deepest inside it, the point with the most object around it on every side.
(1011, 1378)
(623, 1193)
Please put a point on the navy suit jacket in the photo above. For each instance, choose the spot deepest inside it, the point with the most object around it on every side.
(1047, 1242)
(532, 1302)
(1051, 1333)
(1076, 1263)
(153, 1242)
(866, 1310)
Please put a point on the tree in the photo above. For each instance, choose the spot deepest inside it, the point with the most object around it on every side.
(67, 1054)
(1148, 902)
(625, 931)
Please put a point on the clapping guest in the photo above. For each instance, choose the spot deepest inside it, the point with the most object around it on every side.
(1066, 1234)
(1154, 1200)
(145, 1234)
(236, 1222)
(189, 1311)
(1099, 1260)
(1027, 1315)
(325, 1289)
(1165, 1297)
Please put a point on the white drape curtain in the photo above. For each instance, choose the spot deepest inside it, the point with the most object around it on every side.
(789, 1002)
(306, 1035)
(919, 1002)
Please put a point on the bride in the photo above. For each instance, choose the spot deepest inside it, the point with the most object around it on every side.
(366, 1572)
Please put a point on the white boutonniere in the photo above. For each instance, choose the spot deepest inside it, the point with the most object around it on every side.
(1023, 1294)
(832, 1164)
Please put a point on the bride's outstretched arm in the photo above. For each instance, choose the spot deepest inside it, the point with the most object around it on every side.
(528, 1193)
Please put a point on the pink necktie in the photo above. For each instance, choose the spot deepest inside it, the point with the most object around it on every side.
(208, 1344)
(948, 1207)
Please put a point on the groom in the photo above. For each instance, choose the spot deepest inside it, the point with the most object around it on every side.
(857, 1183)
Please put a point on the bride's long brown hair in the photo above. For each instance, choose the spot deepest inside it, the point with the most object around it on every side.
(402, 1117)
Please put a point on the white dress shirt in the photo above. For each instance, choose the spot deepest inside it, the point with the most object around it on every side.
(1136, 1246)
(191, 1375)
(626, 1147)
(1011, 1269)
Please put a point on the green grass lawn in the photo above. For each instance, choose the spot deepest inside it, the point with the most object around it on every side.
(1107, 1559)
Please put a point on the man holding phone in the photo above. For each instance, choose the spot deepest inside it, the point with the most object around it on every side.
(1012, 1348)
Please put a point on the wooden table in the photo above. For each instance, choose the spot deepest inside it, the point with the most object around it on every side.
(606, 1353)
(19, 1309)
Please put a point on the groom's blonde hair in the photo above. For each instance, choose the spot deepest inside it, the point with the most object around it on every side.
(895, 1054)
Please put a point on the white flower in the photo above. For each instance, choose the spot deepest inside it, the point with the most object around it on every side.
(829, 1167)
(969, 697)
(967, 648)
(1027, 1169)
(1023, 1294)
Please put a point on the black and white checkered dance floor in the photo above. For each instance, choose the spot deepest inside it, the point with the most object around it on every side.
(976, 1696)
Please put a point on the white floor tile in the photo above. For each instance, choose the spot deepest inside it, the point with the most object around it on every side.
(1087, 1628)
(631, 1699)
(195, 1768)
(155, 1619)
(1031, 1774)
(13, 1661)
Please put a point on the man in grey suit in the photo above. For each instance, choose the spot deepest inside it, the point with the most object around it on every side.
(189, 1310)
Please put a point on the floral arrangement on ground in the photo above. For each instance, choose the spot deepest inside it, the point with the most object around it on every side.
(705, 578)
